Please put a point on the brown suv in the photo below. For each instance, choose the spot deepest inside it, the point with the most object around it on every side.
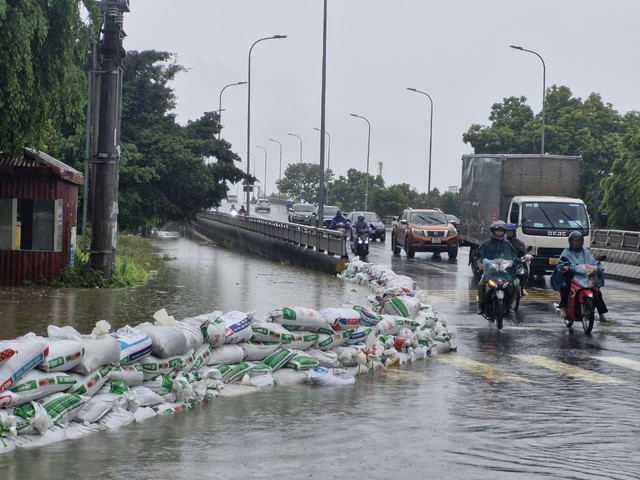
(424, 230)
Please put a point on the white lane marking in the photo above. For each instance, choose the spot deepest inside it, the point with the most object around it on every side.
(621, 362)
(569, 370)
(489, 373)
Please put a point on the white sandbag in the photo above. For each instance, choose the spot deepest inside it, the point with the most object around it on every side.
(278, 358)
(7, 444)
(6, 352)
(237, 390)
(404, 306)
(64, 354)
(351, 356)
(287, 377)
(211, 325)
(303, 341)
(58, 407)
(51, 436)
(262, 381)
(116, 418)
(302, 362)
(406, 284)
(131, 375)
(441, 347)
(254, 351)
(388, 325)
(37, 384)
(235, 372)
(75, 430)
(367, 316)
(271, 332)
(335, 377)
(98, 351)
(226, 354)
(300, 318)
(187, 360)
(201, 356)
(143, 413)
(325, 342)
(90, 384)
(8, 432)
(341, 318)
(133, 344)
(166, 340)
(326, 358)
(98, 406)
(145, 397)
(192, 333)
(29, 350)
(237, 327)
(359, 335)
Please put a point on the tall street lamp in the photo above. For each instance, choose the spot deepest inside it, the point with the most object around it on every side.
(299, 138)
(328, 146)
(280, 172)
(220, 104)
(265, 169)
(249, 109)
(544, 90)
(430, 135)
(366, 188)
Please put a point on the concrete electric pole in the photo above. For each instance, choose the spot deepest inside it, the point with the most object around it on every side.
(106, 161)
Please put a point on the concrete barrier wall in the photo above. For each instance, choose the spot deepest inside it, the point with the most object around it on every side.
(620, 264)
(264, 246)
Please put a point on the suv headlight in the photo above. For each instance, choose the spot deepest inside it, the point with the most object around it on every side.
(451, 232)
(417, 231)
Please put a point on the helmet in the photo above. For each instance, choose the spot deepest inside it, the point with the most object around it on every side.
(360, 217)
(511, 227)
(496, 228)
(577, 239)
(338, 212)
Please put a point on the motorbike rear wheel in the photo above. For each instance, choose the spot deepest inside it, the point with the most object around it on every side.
(588, 315)
(498, 311)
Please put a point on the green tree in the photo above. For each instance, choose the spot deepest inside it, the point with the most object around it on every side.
(301, 182)
(43, 48)
(168, 172)
(348, 192)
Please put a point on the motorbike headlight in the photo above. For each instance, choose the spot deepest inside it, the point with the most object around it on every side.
(492, 284)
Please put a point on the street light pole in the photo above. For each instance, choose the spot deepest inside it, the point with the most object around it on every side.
(328, 147)
(220, 104)
(544, 91)
(430, 135)
(265, 170)
(249, 110)
(299, 138)
(366, 188)
(280, 172)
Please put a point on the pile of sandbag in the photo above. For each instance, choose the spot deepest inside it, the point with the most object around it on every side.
(70, 384)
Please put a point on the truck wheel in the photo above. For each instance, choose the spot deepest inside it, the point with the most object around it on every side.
(408, 250)
(453, 253)
(394, 246)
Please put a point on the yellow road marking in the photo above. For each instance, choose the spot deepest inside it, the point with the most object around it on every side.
(489, 373)
(534, 295)
(621, 362)
(569, 370)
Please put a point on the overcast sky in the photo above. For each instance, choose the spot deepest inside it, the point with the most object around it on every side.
(455, 50)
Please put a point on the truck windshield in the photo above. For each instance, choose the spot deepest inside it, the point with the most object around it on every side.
(555, 215)
(432, 218)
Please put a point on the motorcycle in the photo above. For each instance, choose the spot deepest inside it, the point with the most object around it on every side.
(360, 245)
(583, 292)
(524, 271)
(498, 283)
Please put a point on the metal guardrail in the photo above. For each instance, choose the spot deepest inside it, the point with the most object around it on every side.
(322, 240)
(616, 239)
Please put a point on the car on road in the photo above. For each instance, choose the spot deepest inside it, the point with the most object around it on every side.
(301, 213)
(329, 212)
(379, 229)
(424, 230)
(263, 205)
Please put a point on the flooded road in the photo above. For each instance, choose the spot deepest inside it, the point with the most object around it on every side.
(533, 401)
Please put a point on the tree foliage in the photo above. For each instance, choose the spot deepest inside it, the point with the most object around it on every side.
(301, 182)
(168, 172)
(43, 48)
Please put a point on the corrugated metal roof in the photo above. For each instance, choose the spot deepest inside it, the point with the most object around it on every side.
(34, 158)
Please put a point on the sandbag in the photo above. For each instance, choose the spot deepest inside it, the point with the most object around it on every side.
(211, 325)
(278, 358)
(300, 318)
(254, 351)
(303, 341)
(29, 350)
(335, 377)
(166, 340)
(37, 384)
(341, 318)
(131, 375)
(192, 333)
(325, 342)
(237, 327)
(226, 354)
(133, 344)
(64, 354)
(404, 306)
(90, 384)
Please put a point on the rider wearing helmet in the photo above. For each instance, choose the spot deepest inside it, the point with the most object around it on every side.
(577, 256)
(496, 247)
(361, 225)
(337, 220)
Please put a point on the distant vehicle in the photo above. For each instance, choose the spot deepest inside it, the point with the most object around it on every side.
(379, 230)
(263, 205)
(424, 230)
(453, 220)
(329, 211)
(165, 234)
(301, 213)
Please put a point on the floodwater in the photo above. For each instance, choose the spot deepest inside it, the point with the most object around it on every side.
(530, 402)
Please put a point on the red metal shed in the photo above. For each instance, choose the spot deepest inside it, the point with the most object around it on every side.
(38, 216)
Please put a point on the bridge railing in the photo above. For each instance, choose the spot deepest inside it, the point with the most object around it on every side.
(322, 240)
(616, 239)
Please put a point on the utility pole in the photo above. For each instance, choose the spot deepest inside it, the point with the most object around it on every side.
(106, 162)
